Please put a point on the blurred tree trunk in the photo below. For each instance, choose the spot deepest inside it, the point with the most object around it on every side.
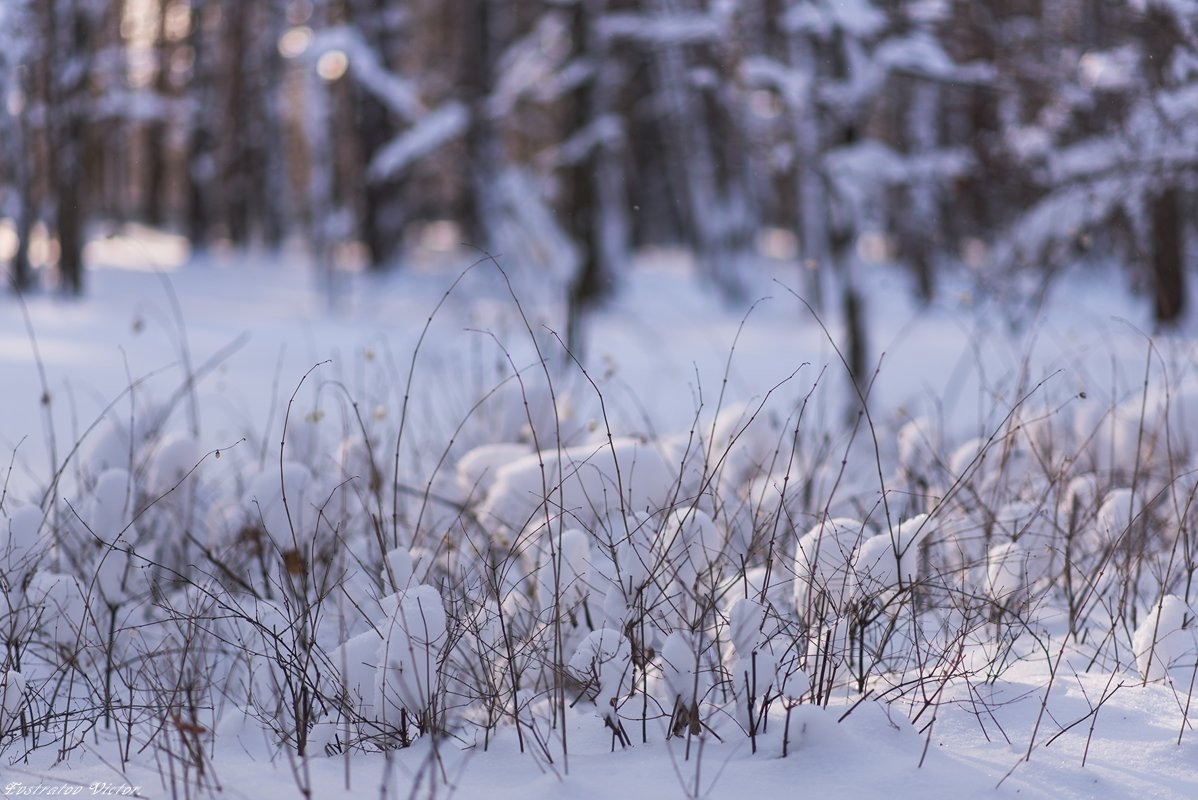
(482, 147)
(154, 188)
(20, 155)
(200, 157)
(108, 157)
(382, 215)
(594, 181)
(69, 28)
(1168, 255)
(269, 147)
(22, 269)
(237, 165)
(856, 340)
(812, 200)
(1167, 260)
(918, 227)
(704, 141)
(250, 141)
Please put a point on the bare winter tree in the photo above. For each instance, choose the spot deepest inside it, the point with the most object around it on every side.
(69, 26)
(565, 136)
(17, 80)
(595, 204)
(1166, 31)
(1116, 165)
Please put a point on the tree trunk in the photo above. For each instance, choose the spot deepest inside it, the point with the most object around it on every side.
(200, 165)
(22, 271)
(154, 187)
(1163, 36)
(70, 231)
(272, 195)
(70, 29)
(1168, 255)
(856, 345)
(708, 183)
(812, 202)
(381, 211)
(481, 161)
(589, 284)
(918, 226)
(235, 171)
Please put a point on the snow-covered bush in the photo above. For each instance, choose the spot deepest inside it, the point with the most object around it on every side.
(337, 588)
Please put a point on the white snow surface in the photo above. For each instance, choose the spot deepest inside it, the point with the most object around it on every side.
(660, 355)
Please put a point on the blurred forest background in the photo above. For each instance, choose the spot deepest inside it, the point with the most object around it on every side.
(991, 137)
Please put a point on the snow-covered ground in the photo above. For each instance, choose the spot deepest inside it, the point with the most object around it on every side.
(978, 687)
